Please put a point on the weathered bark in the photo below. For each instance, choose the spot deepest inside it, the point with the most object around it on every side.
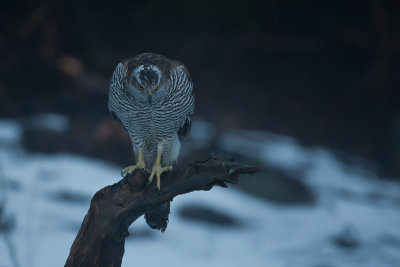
(101, 238)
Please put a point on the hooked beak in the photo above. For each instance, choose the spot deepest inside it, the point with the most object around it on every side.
(150, 96)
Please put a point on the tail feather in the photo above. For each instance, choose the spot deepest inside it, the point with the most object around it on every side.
(157, 218)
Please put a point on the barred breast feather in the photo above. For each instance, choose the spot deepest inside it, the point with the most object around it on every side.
(151, 125)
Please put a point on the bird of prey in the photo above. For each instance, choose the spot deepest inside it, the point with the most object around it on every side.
(152, 97)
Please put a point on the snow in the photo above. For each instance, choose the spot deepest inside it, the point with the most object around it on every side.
(273, 149)
(10, 132)
(49, 121)
(272, 235)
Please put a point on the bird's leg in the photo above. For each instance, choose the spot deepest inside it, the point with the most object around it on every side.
(157, 169)
(140, 165)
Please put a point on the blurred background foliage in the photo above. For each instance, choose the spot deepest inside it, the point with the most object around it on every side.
(324, 72)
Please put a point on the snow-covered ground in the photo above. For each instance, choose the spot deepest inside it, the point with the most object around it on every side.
(351, 202)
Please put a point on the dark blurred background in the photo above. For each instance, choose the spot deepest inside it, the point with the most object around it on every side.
(324, 72)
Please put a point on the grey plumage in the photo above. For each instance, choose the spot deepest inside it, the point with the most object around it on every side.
(152, 97)
(172, 105)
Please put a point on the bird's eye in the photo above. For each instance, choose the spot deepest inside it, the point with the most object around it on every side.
(158, 87)
(140, 87)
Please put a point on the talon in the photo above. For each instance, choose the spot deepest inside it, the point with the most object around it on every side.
(133, 168)
(140, 165)
(157, 170)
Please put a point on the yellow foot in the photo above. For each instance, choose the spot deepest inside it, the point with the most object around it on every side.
(157, 171)
(139, 165)
(131, 169)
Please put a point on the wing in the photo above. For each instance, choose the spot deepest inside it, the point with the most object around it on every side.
(115, 117)
(184, 130)
(118, 85)
(116, 97)
(182, 80)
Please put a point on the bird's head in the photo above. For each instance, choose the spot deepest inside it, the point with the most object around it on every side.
(147, 83)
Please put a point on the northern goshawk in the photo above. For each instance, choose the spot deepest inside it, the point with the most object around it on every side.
(152, 97)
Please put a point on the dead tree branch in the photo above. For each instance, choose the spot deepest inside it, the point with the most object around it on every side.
(101, 238)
